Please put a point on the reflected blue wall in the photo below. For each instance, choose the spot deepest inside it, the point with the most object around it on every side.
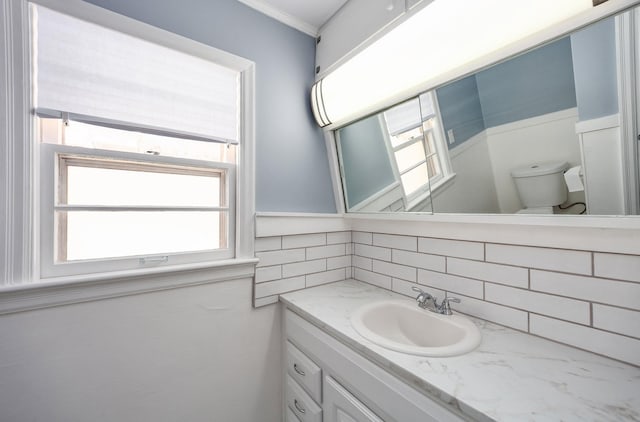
(292, 170)
(461, 110)
(365, 159)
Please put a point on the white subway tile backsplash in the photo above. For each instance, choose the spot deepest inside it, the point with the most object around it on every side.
(622, 267)
(619, 320)
(499, 314)
(375, 252)
(503, 274)
(280, 286)
(304, 240)
(373, 278)
(280, 257)
(326, 251)
(406, 288)
(306, 267)
(364, 238)
(456, 248)
(409, 243)
(268, 243)
(618, 347)
(619, 293)
(350, 248)
(394, 270)
(578, 262)
(268, 273)
(362, 263)
(558, 307)
(338, 262)
(338, 237)
(326, 277)
(451, 283)
(419, 260)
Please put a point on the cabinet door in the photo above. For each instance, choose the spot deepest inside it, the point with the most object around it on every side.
(341, 406)
(353, 24)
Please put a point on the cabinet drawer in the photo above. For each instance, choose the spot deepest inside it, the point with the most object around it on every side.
(304, 371)
(290, 416)
(301, 404)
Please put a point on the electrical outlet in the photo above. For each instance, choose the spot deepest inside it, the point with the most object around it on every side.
(450, 137)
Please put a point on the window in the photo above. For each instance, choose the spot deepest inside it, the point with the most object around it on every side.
(138, 148)
(418, 147)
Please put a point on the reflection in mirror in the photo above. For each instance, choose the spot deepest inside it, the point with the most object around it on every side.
(539, 133)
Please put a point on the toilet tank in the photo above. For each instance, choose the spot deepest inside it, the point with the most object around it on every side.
(541, 184)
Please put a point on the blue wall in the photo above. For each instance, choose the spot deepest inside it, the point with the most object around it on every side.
(529, 85)
(292, 170)
(461, 110)
(594, 56)
(365, 159)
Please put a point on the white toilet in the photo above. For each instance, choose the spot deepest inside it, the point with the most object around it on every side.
(541, 186)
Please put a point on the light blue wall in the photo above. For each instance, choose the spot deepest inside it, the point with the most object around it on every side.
(366, 165)
(292, 170)
(594, 58)
(529, 85)
(461, 110)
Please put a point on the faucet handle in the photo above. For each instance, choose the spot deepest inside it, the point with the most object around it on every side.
(445, 306)
(417, 289)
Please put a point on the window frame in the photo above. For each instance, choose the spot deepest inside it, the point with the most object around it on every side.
(22, 240)
(50, 186)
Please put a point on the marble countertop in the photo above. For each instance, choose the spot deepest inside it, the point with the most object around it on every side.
(511, 376)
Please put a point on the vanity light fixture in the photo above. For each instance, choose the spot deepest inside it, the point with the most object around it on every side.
(446, 39)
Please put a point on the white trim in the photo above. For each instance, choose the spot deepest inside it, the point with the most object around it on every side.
(282, 224)
(68, 290)
(334, 170)
(371, 201)
(283, 17)
(600, 123)
(469, 143)
(533, 121)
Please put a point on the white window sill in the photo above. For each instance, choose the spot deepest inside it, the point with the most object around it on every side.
(67, 290)
(434, 190)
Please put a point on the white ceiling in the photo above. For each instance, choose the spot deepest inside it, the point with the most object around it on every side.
(305, 15)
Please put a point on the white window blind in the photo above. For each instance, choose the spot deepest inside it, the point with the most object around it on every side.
(409, 114)
(97, 75)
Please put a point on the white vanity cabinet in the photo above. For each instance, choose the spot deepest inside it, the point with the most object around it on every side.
(341, 385)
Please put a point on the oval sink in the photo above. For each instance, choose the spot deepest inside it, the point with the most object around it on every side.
(404, 327)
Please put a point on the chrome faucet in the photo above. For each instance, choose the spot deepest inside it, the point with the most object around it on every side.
(445, 306)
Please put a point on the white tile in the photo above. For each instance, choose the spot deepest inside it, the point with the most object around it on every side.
(618, 347)
(408, 243)
(270, 258)
(405, 288)
(503, 274)
(277, 287)
(350, 248)
(578, 262)
(558, 307)
(338, 262)
(268, 273)
(499, 314)
(306, 267)
(419, 260)
(304, 240)
(268, 243)
(394, 270)
(457, 248)
(325, 277)
(375, 252)
(338, 237)
(264, 301)
(373, 278)
(622, 267)
(451, 283)
(362, 237)
(363, 263)
(619, 293)
(619, 320)
(326, 251)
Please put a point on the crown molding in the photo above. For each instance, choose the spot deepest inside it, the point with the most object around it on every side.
(283, 17)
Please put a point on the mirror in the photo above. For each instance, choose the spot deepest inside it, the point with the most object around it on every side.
(539, 133)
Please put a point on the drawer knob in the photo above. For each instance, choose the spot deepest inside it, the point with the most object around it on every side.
(298, 407)
(298, 370)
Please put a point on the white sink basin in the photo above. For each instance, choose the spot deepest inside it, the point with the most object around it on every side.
(404, 327)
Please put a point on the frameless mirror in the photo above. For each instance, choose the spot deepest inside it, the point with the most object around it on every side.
(539, 133)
